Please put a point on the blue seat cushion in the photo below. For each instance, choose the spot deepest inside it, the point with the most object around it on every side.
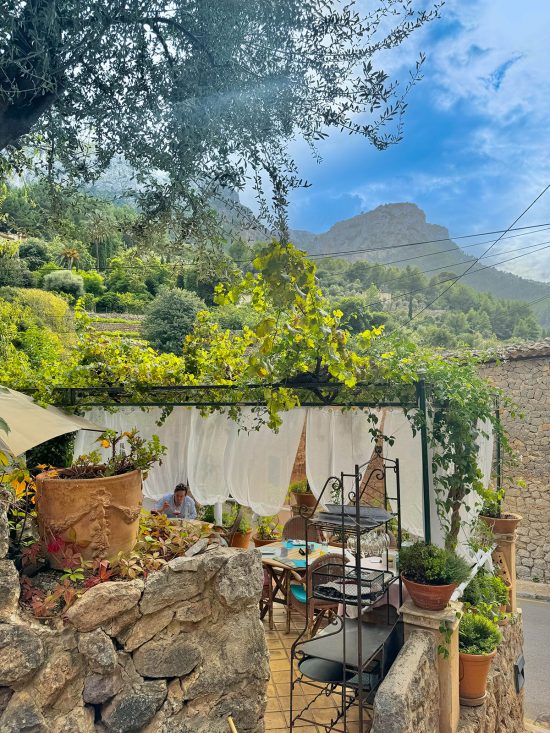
(299, 592)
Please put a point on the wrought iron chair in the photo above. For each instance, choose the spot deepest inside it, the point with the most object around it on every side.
(300, 589)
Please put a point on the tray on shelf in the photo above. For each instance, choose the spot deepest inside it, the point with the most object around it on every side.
(339, 583)
(347, 522)
(329, 643)
(375, 514)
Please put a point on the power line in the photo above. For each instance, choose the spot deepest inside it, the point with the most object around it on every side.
(414, 244)
(453, 249)
(541, 194)
(460, 262)
(454, 279)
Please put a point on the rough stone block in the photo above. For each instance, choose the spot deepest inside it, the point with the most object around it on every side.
(98, 688)
(103, 603)
(174, 657)
(147, 626)
(240, 581)
(21, 654)
(22, 715)
(98, 650)
(9, 590)
(132, 709)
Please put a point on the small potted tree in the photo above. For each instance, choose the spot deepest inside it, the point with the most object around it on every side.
(302, 494)
(268, 530)
(431, 574)
(478, 638)
(95, 505)
(241, 536)
(491, 513)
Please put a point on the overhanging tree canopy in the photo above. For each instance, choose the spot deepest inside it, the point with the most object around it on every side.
(194, 94)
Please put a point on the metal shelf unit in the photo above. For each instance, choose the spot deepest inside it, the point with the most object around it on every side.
(350, 656)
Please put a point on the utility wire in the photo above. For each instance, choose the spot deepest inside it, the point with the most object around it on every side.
(535, 228)
(454, 279)
(459, 262)
(541, 194)
(414, 244)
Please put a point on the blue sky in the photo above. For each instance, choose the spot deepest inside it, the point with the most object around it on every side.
(476, 146)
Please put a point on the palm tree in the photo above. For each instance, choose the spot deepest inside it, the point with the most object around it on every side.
(68, 257)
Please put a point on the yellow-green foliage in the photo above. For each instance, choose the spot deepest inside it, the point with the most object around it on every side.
(49, 309)
(28, 350)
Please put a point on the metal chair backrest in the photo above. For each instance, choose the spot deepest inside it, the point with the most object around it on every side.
(332, 567)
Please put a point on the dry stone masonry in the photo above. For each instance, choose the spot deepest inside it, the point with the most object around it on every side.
(523, 373)
(177, 653)
(409, 698)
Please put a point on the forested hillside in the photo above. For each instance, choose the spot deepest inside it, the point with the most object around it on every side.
(380, 235)
(84, 248)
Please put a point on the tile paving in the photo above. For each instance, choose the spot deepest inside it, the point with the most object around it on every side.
(277, 718)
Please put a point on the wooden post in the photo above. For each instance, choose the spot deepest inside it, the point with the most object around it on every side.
(504, 558)
(419, 619)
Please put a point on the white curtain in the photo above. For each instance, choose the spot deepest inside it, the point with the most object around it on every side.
(472, 502)
(408, 449)
(259, 463)
(206, 456)
(336, 440)
(173, 433)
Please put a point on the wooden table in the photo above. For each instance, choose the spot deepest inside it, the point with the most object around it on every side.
(281, 569)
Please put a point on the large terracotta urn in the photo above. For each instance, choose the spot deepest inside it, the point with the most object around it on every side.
(99, 515)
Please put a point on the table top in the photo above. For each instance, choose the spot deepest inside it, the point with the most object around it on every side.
(271, 554)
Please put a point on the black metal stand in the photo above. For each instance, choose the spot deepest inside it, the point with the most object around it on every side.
(351, 656)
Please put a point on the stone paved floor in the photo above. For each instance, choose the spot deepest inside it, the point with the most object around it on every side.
(278, 704)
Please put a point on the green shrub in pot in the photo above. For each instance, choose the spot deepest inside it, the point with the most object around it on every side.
(478, 638)
(431, 574)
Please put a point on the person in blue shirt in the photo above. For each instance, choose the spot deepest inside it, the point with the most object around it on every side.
(178, 504)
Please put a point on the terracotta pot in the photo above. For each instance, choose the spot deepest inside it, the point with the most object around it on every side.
(307, 499)
(429, 597)
(260, 543)
(503, 525)
(241, 540)
(100, 515)
(473, 672)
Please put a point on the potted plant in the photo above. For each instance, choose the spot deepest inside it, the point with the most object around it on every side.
(431, 574)
(268, 530)
(302, 494)
(241, 538)
(478, 638)
(95, 505)
(487, 594)
(491, 513)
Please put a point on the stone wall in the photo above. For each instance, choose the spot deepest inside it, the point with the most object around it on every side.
(408, 699)
(177, 653)
(524, 376)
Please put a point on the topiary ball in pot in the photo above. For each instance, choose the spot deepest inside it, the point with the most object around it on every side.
(431, 574)
(478, 639)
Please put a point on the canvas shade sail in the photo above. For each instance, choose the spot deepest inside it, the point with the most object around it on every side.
(30, 425)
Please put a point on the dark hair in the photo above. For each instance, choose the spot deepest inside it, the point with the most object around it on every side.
(181, 487)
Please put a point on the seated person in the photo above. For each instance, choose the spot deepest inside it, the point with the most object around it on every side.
(178, 504)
